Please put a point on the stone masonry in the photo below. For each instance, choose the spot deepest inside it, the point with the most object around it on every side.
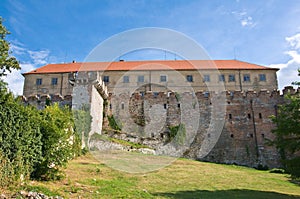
(245, 125)
(237, 135)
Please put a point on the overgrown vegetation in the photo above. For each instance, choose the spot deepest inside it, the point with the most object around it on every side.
(82, 120)
(177, 134)
(113, 123)
(60, 143)
(34, 143)
(287, 133)
(20, 138)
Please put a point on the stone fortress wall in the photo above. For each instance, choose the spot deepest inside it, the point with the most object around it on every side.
(147, 117)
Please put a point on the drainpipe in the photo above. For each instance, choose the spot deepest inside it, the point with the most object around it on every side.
(61, 84)
(240, 80)
(254, 128)
(150, 80)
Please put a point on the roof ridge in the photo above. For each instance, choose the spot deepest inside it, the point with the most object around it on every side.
(152, 65)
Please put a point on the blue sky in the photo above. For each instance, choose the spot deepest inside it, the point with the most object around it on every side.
(264, 32)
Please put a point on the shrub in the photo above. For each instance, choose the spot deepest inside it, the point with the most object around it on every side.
(60, 142)
(293, 167)
(20, 139)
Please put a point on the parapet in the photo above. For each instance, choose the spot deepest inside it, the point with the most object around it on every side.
(263, 94)
(41, 101)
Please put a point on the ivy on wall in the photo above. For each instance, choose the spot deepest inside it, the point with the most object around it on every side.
(113, 124)
(177, 134)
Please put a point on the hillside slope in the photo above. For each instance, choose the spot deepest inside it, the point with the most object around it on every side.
(86, 177)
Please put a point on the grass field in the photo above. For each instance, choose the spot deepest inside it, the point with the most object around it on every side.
(88, 178)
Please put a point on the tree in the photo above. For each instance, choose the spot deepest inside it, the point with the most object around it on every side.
(7, 62)
(296, 82)
(287, 133)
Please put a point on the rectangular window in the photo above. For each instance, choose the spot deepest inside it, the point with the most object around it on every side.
(140, 78)
(221, 78)
(106, 79)
(54, 81)
(206, 78)
(39, 81)
(246, 78)
(262, 77)
(125, 79)
(231, 78)
(163, 78)
(189, 78)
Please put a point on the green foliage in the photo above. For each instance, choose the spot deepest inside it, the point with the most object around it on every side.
(60, 142)
(112, 123)
(276, 170)
(36, 143)
(7, 62)
(32, 142)
(262, 167)
(20, 139)
(177, 96)
(293, 167)
(296, 82)
(288, 132)
(82, 120)
(177, 134)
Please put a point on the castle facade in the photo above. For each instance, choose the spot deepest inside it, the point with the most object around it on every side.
(224, 105)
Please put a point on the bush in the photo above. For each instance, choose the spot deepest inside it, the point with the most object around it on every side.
(293, 167)
(20, 139)
(60, 142)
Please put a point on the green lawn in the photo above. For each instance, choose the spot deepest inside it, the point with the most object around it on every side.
(88, 178)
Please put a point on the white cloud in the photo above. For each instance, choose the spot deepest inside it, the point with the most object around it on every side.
(244, 19)
(294, 41)
(15, 79)
(295, 56)
(288, 71)
(17, 49)
(247, 21)
(39, 57)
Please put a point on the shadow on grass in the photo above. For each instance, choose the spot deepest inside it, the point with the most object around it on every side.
(235, 193)
(296, 182)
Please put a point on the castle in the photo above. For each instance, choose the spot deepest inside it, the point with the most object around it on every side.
(224, 105)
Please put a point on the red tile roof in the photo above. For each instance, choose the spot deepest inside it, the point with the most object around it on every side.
(148, 65)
